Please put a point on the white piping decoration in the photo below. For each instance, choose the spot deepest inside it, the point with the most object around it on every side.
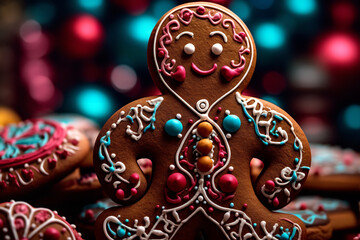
(220, 33)
(191, 34)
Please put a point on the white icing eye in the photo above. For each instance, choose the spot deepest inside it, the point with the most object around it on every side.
(189, 48)
(217, 49)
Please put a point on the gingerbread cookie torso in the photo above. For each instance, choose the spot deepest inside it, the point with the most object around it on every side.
(201, 135)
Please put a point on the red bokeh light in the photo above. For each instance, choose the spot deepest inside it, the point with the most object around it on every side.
(343, 13)
(273, 82)
(82, 36)
(339, 49)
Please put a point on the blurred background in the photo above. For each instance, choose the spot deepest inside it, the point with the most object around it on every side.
(89, 57)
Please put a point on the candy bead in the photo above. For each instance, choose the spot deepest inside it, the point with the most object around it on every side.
(134, 178)
(231, 123)
(176, 182)
(51, 234)
(269, 185)
(228, 183)
(204, 163)
(204, 146)
(276, 202)
(120, 194)
(173, 127)
(205, 129)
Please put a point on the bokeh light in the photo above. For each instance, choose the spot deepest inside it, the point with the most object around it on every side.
(343, 13)
(273, 100)
(41, 89)
(36, 67)
(141, 27)
(93, 102)
(90, 4)
(308, 75)
(316, 129)
(42, 12)
(352, 116)
(123, 78)
(83, 36)
(302, 7)
(241, 8)
(273, 82)
(134, 7)
(160, 7)
(262, 4)
(269, 35)
(30, 31)
(339, 49)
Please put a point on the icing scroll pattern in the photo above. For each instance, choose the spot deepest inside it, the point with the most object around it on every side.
(265, 121)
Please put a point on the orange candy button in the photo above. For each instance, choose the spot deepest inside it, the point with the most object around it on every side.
(204, 146)
(204, 129)
(204, 163)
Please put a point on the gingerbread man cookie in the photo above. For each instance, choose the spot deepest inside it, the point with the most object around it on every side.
(35, 153)
(201, 135)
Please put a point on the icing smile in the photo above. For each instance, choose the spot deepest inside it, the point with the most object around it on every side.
(202, 72)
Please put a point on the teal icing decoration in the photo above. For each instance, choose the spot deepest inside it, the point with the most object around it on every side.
(293, 177)
(152, 119)
(106, 141)
(231, 123)
(120, 232)
(295, 146)
(27, 138)
(305, 167)
(173, 127)
(306, 216)
(273, 131)
(278, 117)
(130, 118)
(296, 160)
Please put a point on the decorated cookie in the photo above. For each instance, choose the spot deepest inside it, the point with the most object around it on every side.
(21, 221)
(35, 153)
(340, 212)
(334, 169)
(85, 220)
(84, 125)
(201, 135)
(317, 223)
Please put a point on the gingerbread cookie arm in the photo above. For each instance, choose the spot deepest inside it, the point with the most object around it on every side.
(115, 161)
(284, 150)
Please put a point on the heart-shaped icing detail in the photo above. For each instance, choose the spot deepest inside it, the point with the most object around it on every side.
(179, 74)
(229, 73)
(27, 174)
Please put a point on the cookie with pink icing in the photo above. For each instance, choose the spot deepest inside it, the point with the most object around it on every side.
(200, 135)
(35, 153)
(21, 221)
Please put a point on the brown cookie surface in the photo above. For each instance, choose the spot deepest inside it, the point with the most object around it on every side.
(19, 221)
(200, 135)
(35, 153)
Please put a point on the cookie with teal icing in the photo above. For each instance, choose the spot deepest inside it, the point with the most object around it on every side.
(36, 153)
(200, 135)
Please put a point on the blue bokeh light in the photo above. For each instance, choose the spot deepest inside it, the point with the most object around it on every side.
(92, 6)
(273, 100)
(269, 35)
(303, 7)
(42, 12)
(241, 9)
(160, 7)
(140, 27)
(352, 116)
(93, 102)
(263, 4)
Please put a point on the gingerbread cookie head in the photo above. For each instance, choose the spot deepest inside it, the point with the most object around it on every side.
(201, 52)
